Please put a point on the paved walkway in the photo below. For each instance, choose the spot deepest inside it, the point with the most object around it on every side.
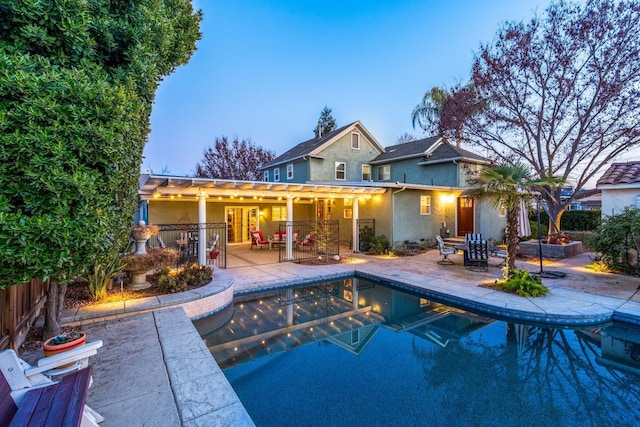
(155, 370)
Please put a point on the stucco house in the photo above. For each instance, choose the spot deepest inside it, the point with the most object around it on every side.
(342, 155)
(410, 192)
(620, 186)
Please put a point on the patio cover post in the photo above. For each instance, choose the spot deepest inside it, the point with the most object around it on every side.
(202, 231)
(289, 243)
(356, 235)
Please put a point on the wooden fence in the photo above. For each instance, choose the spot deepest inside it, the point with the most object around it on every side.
(20, 305)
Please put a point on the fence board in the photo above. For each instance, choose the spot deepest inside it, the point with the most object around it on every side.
(20, 305)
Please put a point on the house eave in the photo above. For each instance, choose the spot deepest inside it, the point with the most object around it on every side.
(186, 188)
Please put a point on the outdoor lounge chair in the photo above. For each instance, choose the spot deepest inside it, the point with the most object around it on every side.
(308, 242)
(257, 239)
(22, 379)
(445, 252)
(478, 255)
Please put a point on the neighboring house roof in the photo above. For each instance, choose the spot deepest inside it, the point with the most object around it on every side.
(434, 149)
(314, 146)
(407, 150)
(621, 174)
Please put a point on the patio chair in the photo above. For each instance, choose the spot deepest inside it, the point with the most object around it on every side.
(212, 244)
(445, 252)
(478, 255)
(308, 242)
(31, 385)
(257, 239)
(472, 236)
(499, 253)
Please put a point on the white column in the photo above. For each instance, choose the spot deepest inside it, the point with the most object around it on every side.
(354, 292)
(356, 235)
(202, 231)
(289, 243)
(289, 307)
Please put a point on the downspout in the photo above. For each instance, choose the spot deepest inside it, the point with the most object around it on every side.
(393, 211)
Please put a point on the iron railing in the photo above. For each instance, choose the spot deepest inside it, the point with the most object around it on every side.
(311, 240)
(184, 239)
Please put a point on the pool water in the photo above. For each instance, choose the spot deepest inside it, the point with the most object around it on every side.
(357, 353)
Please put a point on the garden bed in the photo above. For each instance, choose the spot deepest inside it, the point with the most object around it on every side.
(530, 248)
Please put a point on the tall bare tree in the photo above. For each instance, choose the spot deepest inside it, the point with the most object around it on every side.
(560, 93)
(404, 138)
(233, 159)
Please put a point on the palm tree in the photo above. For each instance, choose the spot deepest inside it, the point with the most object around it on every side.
(427, 114)
(508, 185)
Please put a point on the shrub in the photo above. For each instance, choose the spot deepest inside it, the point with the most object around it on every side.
(188, 276)
(521, 282)
(614, 238)
(154, 258)
(102, 274)
(379, 245)
(365, 238)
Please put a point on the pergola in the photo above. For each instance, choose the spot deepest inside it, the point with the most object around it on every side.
(164, 187)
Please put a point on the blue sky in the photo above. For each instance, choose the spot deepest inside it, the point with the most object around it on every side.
(265, 69)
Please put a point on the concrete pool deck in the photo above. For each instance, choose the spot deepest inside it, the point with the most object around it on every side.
(155, 370)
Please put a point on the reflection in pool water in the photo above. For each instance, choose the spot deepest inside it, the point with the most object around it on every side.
(357, 353)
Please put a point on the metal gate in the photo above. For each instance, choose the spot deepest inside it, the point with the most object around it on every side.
(183, 238)
(317, 240)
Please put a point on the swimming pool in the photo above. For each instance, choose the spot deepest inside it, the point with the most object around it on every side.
(354, 352)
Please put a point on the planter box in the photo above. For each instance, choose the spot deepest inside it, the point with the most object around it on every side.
(530, 248)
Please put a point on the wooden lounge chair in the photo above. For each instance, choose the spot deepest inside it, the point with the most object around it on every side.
(445, 252)
(28, 396)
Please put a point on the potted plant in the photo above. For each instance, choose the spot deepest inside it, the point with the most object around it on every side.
(64, 342)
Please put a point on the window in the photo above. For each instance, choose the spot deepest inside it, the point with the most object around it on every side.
(341, 170)
(290, 171)
(502, 210)
(278, 213)
(348, 213)
(265, 176)
(276, 174)
(425, 205)
(355, 141)
(384, 173)
(366, 173)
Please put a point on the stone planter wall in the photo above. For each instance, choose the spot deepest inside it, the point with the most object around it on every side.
(530, 248)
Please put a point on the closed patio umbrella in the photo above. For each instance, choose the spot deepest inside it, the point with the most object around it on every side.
(524, 228)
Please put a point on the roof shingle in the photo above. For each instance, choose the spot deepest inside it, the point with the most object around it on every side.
(621, 173)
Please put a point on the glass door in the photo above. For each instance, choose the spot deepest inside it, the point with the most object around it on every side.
(240, 221)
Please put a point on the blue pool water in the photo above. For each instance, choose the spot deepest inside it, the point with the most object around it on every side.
(314, 357)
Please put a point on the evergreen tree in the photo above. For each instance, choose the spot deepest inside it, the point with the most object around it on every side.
(326, 123)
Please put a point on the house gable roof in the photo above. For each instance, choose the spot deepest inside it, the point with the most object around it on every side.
(313, 147)
(434, 149)
(621, 174)
(407, 150)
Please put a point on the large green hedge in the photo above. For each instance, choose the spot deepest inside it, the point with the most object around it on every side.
(573, 220)
(77, 81)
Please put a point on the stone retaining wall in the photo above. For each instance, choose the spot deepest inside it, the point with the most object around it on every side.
(530, 248)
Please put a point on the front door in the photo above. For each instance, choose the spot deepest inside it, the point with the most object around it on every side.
(465, 215)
